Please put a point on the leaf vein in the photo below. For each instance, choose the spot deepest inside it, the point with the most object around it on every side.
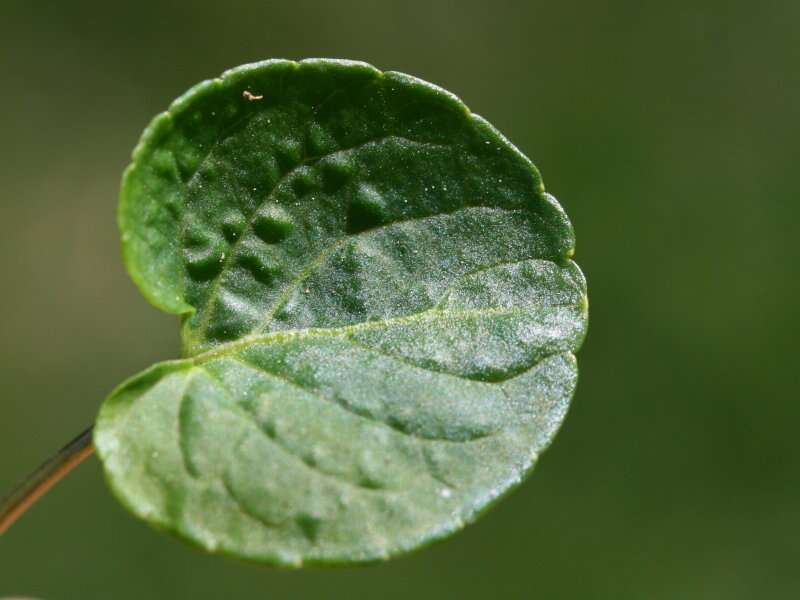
(327, 251)
(231, 255)
(275, 441)
(334, 402)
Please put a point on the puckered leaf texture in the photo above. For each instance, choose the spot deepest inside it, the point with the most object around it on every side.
(379, 314)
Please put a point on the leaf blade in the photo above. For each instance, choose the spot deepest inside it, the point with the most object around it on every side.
(377, 305)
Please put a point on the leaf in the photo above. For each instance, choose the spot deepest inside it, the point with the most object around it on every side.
(378, 316)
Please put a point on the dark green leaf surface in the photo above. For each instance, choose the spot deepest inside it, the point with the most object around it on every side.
(379, 316)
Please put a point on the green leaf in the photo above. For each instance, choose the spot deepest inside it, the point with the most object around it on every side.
(378, 316)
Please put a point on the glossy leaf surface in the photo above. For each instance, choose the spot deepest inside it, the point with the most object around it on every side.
(379, 315)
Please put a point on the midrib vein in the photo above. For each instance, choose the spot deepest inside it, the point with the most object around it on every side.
(430, 315)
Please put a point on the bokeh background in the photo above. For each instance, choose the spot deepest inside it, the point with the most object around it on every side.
(668, 130)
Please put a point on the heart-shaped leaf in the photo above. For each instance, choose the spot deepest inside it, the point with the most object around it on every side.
(379, 314)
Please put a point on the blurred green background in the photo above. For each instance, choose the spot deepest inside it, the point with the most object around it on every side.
(668, 130)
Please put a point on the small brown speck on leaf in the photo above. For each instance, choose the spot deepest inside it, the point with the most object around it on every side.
(247, 95)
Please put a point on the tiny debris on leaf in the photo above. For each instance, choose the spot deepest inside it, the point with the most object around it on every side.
(248, 95)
